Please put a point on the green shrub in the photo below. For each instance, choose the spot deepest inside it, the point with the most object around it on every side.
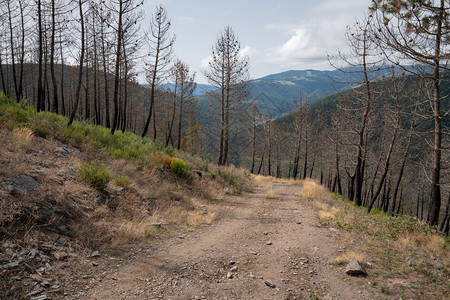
(95, 175)
(71, 134)
(230, 177)
(180, 168)
(41, 129)
(122, 181)
(212, 174)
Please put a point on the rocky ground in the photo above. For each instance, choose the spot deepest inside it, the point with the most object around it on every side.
(260, 249)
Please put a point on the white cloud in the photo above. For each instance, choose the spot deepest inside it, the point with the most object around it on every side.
(204, 63)
(295, 44)
(300, 49)
(247, 51)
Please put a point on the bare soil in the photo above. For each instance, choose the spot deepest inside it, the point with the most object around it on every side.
(257, 242)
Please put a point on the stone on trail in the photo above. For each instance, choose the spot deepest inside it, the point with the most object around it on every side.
(410, 261)
(354, 268)
(43, 297)
(270, 284)
(438, 265)
(95, 254)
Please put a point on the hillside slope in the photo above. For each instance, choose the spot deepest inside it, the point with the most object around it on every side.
(66, 193)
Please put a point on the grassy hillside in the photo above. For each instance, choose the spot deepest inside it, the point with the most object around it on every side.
(67, 191)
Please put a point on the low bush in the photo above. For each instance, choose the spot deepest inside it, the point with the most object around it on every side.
(95, 175)
(180, 168)
(122, 181)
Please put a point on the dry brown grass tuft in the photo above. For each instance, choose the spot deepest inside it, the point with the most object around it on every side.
(199, 218)
(311, 189)
(432, 244)
(270, 194)
(345, 258)
(263, 181)
(22, 136)
(288, 181)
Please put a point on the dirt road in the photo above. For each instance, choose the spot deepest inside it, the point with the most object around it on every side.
(259, 249)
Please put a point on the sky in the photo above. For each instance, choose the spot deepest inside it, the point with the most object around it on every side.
(277, 35)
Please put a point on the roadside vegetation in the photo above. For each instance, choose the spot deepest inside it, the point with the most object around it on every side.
(121, 183)
(403, 255)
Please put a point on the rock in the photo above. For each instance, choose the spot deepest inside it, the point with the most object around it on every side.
(157, 224)
(234, 269)
(37, 290)
(33, 253)
(60, 255)
(253, 252)
(270, 284)
(38, 278)
(38, 170)
(47, 247)
(265, 233)
(411, 261)
(13, 265)
(57, 267)
(22, 185)
(69, 175)
(354, 268)
(269, 243)
(63, 228)
(95, 254)
(438, 265)
(62, 151)
(232, 262)
(60, 241)
(230, 275)
(46, 213)
(43, 297)
(299, 222)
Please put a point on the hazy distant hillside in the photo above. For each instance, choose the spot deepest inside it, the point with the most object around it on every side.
(275, 93)
(201, 89)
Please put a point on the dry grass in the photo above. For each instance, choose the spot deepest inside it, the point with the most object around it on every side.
(22, 136)
(312, 190)
(263, 181)
(200, 218)
(325, 211)
(431, 243)
(325, 215)
(270, 194)
(345, 258)
(288, 181)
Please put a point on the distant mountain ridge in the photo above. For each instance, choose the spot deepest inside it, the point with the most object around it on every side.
(275, 93)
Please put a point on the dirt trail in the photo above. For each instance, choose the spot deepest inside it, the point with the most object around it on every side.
(277, 240)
